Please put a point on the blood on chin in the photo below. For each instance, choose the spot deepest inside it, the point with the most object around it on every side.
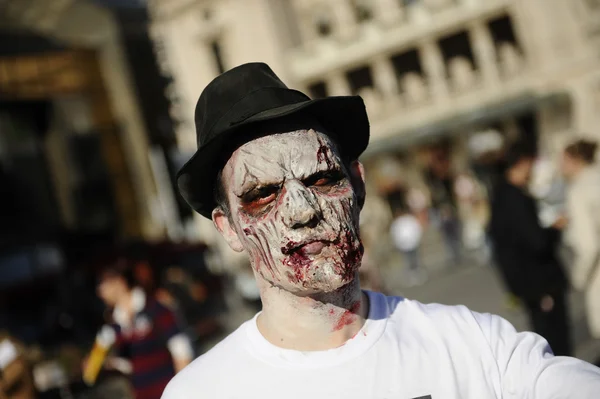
(334, 267)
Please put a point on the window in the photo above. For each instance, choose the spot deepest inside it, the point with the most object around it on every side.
(360, 78)
(457, 45)
(502, 30)
(407, 61)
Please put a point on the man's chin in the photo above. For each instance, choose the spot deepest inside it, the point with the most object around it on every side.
(325, 283)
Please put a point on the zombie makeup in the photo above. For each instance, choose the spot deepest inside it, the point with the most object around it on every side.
(295, 211)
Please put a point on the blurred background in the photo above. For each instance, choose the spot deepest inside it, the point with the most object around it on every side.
(96, 117)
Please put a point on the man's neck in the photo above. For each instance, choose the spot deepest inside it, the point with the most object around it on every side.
(312, 323)
(125, 306)
(514, 181)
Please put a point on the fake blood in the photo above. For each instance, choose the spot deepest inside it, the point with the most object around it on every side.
(322, 156)
(347, 317)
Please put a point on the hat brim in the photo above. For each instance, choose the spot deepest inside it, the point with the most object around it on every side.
(344, 118)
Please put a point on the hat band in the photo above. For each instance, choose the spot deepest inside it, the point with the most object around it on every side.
(253, 103)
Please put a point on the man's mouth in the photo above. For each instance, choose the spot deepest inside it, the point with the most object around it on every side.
(312, 247)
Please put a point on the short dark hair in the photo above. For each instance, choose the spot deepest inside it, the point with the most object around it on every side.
(517, 152)
(220, 194)
(120, 268)
(584, 150)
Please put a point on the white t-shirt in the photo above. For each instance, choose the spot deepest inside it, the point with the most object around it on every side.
(405, 350)
(406, 233)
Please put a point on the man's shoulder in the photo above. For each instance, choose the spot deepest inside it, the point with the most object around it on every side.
(218, 361)
(431, 315)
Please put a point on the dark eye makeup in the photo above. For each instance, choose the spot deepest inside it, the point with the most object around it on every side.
(264, 194)
(258, 193)
(323, 179)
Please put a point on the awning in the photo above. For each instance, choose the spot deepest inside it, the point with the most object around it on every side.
(482, 115)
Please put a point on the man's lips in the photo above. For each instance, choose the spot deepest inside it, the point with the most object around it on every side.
(312, 247)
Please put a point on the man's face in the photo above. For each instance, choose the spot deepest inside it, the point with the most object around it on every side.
(294, 210)
(110, 288)
(568, 166)
(525, 170)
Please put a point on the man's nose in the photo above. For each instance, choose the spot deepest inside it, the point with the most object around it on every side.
(300, 207)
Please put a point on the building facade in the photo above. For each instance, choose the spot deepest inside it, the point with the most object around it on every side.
(428, 70)
(95, 127)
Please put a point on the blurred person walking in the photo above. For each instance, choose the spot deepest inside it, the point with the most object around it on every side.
(143, 333)
(441, 182)
(583, 234)
(406, 232)
(525, 252)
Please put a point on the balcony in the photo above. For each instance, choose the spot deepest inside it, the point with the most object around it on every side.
(480, 63)
(337, 33)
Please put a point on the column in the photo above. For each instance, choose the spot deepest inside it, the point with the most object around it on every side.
(484, 52)
(384, 77)
(389, 12)
(308, 29)
(345, 20)
(435, 70)
(337, 84)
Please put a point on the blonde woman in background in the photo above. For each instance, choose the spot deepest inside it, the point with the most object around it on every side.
(583, 207)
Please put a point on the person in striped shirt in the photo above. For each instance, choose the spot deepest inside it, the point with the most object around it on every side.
(148, 344)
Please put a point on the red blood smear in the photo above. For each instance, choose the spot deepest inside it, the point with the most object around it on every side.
(322, 156)
(347, 317)
(351, 256)
(289, 246)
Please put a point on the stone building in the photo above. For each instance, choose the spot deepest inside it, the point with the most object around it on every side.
(69, 57)
(428, 70)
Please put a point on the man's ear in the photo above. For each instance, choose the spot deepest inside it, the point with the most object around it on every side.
(357, 178)
(225, 227)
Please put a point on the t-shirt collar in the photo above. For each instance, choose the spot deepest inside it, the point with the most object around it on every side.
(373, 329)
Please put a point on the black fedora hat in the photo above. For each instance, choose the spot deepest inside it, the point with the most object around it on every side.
(246, 96)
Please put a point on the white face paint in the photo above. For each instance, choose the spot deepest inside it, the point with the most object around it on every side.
(295, 211)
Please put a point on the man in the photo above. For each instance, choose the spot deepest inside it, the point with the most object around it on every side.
(406, 232)
(278, 174)
(526, 253)
(441, 181)
(149, 345)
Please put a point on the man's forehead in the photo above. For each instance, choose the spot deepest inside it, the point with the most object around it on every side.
(270, 159)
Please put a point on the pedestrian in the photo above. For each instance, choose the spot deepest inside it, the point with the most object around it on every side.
(526, 253)
(146, 340)
(406, 232)
(441, 182)
(583, 234)
(278, 173)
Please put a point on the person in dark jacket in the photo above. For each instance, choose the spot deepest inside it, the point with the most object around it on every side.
(526, 252)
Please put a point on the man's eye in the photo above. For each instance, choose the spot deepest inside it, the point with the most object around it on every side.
(324, 179)
(265, 199)
(261, 196)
